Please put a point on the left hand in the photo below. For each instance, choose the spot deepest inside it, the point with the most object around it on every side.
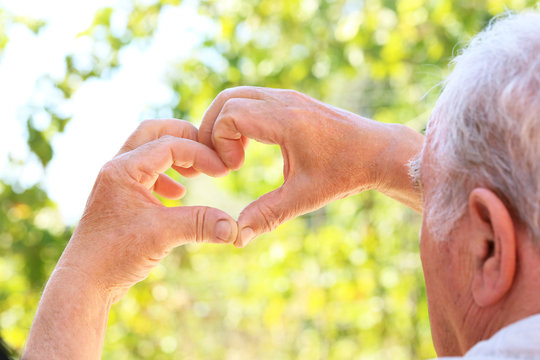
(328, 153)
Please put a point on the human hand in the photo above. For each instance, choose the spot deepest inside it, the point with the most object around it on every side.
(125, 231)
(327, 153)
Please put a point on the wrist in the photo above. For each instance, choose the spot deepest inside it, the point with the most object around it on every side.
(403, 144)
(373, 147)
(65, 277)
(83, 262)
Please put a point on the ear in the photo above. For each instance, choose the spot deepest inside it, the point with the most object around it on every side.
(493, 242)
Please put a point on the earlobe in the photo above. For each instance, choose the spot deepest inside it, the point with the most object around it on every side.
(493, 244)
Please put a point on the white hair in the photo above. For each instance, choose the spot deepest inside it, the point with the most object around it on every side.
(485, 127)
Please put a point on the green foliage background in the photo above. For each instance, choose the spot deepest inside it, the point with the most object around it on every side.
(344, 282)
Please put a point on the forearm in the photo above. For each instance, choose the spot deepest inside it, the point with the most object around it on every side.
(71, 319)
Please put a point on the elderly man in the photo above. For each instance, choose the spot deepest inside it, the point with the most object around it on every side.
(475, 177)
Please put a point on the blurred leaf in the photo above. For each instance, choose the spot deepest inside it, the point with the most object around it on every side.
(39, 144)
(35, 25)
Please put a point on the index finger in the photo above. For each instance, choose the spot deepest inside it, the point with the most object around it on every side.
(145, 163)
(149, 130)
(213, 111)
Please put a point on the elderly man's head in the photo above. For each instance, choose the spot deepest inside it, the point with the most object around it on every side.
(480, 170)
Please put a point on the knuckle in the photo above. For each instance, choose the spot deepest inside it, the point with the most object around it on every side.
(188, 129)
(225, 123)
(293, 93)
(108, 172)
(191, 133)
(200, 223)
(230, 106)
(225, 131)
(226, 94)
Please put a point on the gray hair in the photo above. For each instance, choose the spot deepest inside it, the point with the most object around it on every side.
(485, 127)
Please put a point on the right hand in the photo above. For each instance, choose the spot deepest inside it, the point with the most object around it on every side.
(125, 231)
(328, 153)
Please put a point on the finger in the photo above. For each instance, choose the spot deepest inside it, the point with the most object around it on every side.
(186, 172)
(150, 130)
(145, 163)
(211, 114)
(267, 213)
(168, 188)
(195, 224)
(241, 118)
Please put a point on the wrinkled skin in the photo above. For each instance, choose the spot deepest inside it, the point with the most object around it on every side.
(328, 153)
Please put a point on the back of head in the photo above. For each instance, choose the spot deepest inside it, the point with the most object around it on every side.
(485, 128)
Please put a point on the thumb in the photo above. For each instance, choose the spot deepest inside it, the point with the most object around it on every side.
(265, 214)
(196, 224)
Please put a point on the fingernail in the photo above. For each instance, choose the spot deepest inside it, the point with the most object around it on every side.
(223, 230)
(247, 235)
